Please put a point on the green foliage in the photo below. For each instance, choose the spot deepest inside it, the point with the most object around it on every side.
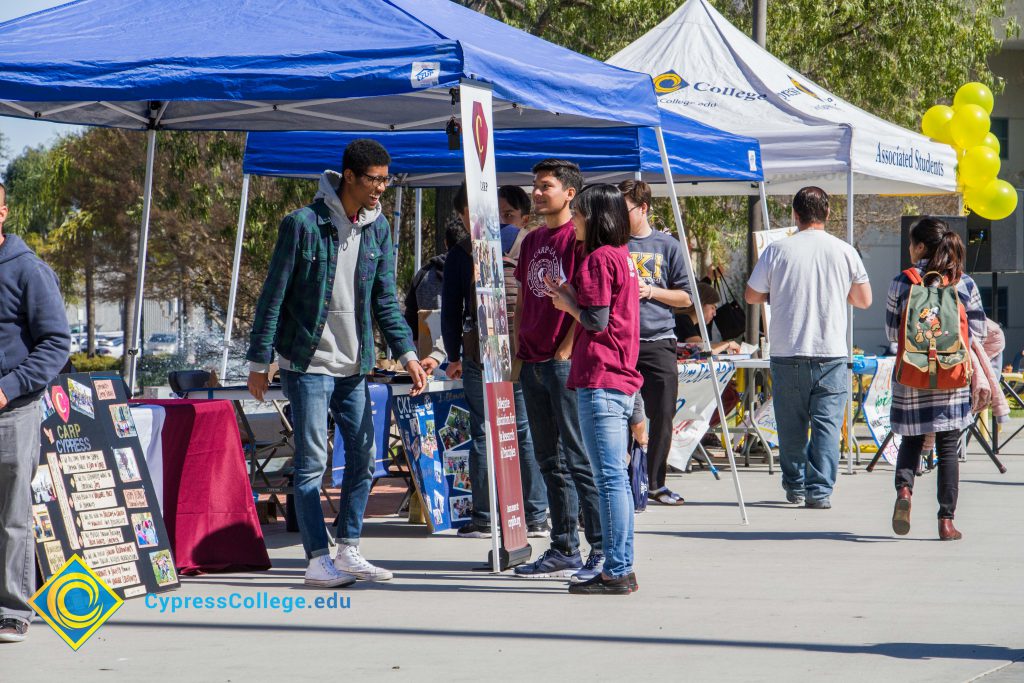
(84, 363)
(153, 370)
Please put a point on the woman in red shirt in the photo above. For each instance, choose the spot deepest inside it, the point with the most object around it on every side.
(604, 298)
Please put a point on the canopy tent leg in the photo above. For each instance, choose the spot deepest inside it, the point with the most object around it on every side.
(132, 349)
(236, 265)
(692, 277)
(764, 205)
(419, 230)
(849, 330)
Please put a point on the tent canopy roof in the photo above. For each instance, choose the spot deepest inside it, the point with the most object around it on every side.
(707, 69)
(697, 153)
(298, 64)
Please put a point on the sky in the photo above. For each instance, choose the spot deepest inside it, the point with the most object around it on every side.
(21, 133)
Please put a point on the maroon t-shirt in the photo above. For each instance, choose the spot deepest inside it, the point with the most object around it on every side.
(607, 359)
(551, 252)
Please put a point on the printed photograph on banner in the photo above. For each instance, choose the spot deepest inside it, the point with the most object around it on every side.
(461, 481)
(461, 508)
(104, 389)
(124, 426)
(54, 556)
(145, 530)
(449, 439)
(42, 486)
(163, 567)
(42, 527)
(456, 462)
(135, 498)
(438, 473)
(496, 359)
(416, 449)
(46, 403)
(81, 397)
(127, 467)
(458, 420)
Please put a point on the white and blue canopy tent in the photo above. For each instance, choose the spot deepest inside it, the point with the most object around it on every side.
(705, 68)
(251, 65)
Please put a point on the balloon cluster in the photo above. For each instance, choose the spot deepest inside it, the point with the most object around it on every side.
(965, 126)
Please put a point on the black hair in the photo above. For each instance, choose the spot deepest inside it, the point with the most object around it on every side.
(516, 197)
(363, 153)
(565, 172)
(944, 248)
(811, 205)
(603, 209)
(454, 234)
(461, 199)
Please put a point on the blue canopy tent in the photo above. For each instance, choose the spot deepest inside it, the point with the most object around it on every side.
(697, 153)
(373, 65)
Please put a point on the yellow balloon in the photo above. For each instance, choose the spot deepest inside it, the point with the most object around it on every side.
(975, 201)
(992, 141)
(935, 121)
(979, 166)
(969, 125)
(974, 93)
(998, 199)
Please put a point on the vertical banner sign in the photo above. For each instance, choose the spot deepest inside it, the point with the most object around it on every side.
(92, 495)
(876, 409)
(492, 316)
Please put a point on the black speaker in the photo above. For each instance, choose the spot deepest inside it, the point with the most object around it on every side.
(992, 246)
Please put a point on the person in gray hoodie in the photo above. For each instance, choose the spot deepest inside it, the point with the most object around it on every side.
(331, 276)
(34, 345)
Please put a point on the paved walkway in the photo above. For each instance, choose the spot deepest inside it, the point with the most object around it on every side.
(796, 595)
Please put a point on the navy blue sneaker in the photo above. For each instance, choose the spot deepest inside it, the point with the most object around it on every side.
(551, 565)
(593, 566)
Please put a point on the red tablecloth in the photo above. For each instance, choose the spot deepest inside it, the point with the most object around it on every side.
(208, 507)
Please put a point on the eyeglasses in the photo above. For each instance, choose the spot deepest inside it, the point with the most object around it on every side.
(638, 206)
(384, 180)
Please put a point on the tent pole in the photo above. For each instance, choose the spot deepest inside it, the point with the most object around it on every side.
(140, 281)
(764, 206)
(236, 265)
(419, 230)
(849, 328)
(692, 278)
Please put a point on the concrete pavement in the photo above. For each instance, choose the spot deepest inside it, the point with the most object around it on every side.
(824, 595)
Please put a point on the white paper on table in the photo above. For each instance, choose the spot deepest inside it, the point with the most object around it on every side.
(149, 423)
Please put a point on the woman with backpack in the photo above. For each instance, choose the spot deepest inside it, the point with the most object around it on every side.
(933, 311)
(604, 298)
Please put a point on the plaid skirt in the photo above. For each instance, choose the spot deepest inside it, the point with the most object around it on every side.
(925, 411)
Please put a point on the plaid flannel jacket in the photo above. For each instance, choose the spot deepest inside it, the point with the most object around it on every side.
(292, 308)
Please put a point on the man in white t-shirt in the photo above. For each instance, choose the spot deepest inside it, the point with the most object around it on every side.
(809, 279)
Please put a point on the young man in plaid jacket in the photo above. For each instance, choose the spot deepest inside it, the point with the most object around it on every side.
(331, 275)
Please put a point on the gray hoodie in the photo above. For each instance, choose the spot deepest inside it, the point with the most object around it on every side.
(337, 354)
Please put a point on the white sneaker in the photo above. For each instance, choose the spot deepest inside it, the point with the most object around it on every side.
(350, 561)
(322, 573)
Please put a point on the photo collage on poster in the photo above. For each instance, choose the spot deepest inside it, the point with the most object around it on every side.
(435, 432)
(492, 309)
(92, 494)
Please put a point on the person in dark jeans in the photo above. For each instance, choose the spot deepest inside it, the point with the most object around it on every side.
(915, 413)
(461, 340)
(34, 344)
(545, 338)
(658, 259)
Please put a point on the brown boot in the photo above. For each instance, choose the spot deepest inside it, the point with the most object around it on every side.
(901, 512)
(948, 532)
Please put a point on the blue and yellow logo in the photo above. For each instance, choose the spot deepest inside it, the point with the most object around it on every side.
(75, 602)
(668, 82)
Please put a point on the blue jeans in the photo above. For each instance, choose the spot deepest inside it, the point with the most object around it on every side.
(534, 496)
(558, 444)
(348, 400)
(809, 392)
(603, 417)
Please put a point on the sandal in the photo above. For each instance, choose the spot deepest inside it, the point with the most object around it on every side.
(666, 497)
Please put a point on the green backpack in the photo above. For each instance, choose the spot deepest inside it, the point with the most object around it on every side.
(933, 345)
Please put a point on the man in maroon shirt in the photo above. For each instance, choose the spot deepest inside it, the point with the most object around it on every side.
(545, 337)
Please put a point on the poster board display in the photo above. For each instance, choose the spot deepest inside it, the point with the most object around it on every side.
(762, 238)
(435, 432)
(492, 319)
(694, 407)
(92, 494)
(877, 401)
